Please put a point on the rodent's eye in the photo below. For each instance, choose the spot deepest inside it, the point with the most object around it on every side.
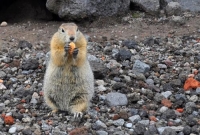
(77, 29)
(63, 30)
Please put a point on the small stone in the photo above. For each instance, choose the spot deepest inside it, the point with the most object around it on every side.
(161, 129)
(176, 82)
(198, 90)
(127, 78)
(169, 131)
(26, 120)
(2, 87)
(100, 124)
(2, 74)
(141, 67)
(113, 64)
(190, 107)
(130, 44)
(169, 114)
(12, 130)
(150, 81)
(30, 64)
(191, 120)
(158, 97)
(193, 98)
(115, 99)
(135, 118)
(166, 94)
(177, 128)
(24, 44)
(167, 87)
(178, 20)
(124, 55)
(27, 131)
(118, 86)
(119, 122)
(162, 66)
(166, 102)
(123, 114)
(152, 118)
(6, 102)
(79, 131)
(134, 97)
(3, 24)
(101, 88)
(144, 122)
(129, 125)
(33, 101)
(139, 129)
(35, 95)
(2, 107)
(92, 58)
(134, 111)
(163, 109)
(151, 131)
(100, 82)
(100, 132)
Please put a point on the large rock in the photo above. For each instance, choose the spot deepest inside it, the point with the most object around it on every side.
(150, 6)
(173, 8)
(187, 5)
(99, 70)
(77, 9)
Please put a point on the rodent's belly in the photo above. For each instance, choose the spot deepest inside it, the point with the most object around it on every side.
(64, 88)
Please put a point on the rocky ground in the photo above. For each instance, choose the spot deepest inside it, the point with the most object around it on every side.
(140, 66)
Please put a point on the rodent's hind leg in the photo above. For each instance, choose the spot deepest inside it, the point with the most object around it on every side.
(78, 109)
(75, 53)
(50, 103)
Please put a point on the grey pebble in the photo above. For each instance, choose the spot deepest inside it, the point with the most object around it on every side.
(116, 99)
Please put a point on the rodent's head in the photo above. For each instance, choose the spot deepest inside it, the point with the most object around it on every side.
(69, 32)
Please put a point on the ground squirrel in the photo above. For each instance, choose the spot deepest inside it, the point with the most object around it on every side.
(68, 81)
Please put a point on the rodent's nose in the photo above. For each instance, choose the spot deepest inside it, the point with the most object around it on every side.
(71, 38)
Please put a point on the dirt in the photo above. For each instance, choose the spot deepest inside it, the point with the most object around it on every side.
(99, 30)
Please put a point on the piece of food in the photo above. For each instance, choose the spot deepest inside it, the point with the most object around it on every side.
(72, 46)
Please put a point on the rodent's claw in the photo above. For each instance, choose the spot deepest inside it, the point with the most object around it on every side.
(75, 52)
(78, 114)
(52, 112)
(67, 47)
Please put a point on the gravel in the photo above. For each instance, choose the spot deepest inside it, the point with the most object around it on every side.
(134, 81)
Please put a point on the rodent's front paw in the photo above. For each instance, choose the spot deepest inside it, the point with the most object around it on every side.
(75, 52)
(67, 47)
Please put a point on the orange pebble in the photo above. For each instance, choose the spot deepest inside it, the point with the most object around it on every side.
(8, 120)
(191, 83)
(153, 118)
(179, 110)
(1, 81)
(72, 46)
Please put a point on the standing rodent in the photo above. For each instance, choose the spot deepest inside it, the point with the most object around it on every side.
(69, 80)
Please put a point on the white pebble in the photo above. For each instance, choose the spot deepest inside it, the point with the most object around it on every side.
(12, 130)
(3, 24)
(101, 88)
(163, 109)
(129, 125)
